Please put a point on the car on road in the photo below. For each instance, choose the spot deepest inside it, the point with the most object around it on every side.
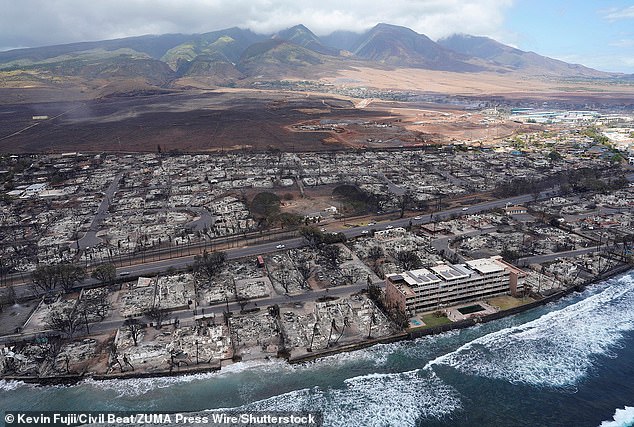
(389, 227)
(371, 223)
(418, 218)
(365, 232)
(124, 273)
(280, 246)
(465, 209)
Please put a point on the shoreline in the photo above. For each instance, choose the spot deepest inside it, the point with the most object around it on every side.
(71, 379)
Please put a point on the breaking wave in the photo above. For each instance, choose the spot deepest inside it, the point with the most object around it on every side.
(622, 418)
(140, 386)
(10, 385)
(397, 399)
(556, 350)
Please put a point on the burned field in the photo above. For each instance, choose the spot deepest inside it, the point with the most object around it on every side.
(206, 121)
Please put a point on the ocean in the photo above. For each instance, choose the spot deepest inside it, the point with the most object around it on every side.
(569, 363)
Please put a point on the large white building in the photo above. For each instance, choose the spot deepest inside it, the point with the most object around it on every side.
(446, 284)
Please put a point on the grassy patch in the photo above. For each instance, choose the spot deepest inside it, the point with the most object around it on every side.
(430, 320)
(506, 302)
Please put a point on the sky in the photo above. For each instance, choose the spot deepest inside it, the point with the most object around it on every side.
(595, 33)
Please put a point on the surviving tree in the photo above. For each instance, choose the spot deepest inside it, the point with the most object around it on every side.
(48, 278)
(133, 327)
(265, 207)
(66, 319)
(408, 260)
(312, 235)
(105, 273)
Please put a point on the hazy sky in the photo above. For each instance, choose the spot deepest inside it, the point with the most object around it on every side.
(596, 33)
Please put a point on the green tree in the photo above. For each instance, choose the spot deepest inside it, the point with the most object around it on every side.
(265, 207)
(408, 260)
(49, 277)
(312, 235)
(554, 156)
(105, 273)
(70, 275)
(289, 220)
(45, 278)
(510, 255)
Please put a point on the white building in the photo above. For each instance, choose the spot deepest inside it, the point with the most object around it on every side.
(446, 284)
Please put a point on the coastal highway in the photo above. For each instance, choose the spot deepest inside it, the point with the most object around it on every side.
(155, 267)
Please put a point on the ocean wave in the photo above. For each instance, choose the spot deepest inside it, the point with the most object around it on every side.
(396, 399)
(555, 350)
(622, 418)
(140, 386)
(11, 385)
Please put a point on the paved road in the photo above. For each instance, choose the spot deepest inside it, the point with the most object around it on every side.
(216, 311)
(442, 243)
(150, 268)
(154, 267)
(90, 239)
(538, 259)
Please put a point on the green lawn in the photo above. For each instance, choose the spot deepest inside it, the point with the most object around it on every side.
(505, 302)
(430, 320)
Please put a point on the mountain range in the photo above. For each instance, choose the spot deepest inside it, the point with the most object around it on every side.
(237, 56)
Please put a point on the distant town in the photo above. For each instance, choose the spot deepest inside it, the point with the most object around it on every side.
(119, 265)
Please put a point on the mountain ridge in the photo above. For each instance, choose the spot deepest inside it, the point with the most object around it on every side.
(233, 55)
(507, 56)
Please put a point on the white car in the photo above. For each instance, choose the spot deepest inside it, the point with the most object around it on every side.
(280, 246)
(371, 223)
(389, 227)
(465, 209)
(365, 232)
(418, 218)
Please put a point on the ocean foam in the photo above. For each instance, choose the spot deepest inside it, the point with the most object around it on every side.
(11, 385)
(397, 399)
(139, 386)
(622, 418)
(555, 350)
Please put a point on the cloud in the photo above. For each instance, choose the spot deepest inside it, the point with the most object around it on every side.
(38, 22)
(623, 43)
(616, 14)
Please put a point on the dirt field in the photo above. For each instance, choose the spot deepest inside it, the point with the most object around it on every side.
(509, 86)
(204, 121)
(232, 119)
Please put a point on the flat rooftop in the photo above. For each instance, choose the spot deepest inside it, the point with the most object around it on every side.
(421, 276)
(451, 272)
(485, 266)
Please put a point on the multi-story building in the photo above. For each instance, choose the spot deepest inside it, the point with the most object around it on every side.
(446, 284)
